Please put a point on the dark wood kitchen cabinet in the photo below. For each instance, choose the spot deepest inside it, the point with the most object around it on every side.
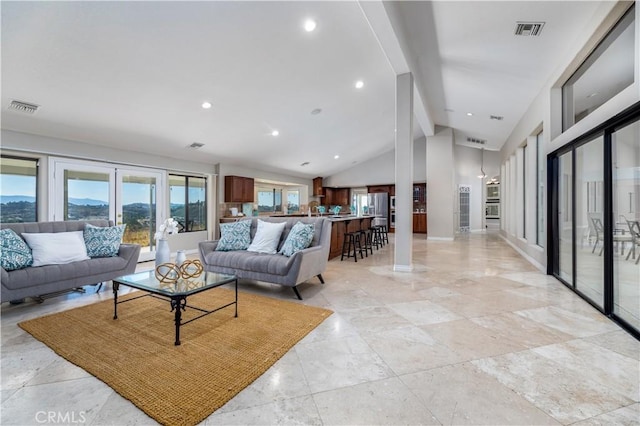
(420, 223)
(317, 187)
(336, 196)
(238, 189)
(341, 197)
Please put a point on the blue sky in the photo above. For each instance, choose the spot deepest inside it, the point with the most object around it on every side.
(17, 185)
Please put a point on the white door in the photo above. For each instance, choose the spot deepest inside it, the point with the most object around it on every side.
(85, 190)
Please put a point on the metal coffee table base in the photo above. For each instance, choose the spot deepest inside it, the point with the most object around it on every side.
(178, 304)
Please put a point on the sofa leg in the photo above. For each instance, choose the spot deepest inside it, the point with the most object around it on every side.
(320, 278)
(295, 290)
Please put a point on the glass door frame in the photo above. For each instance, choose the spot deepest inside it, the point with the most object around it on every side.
(120, 172)
(58, 165)
(606, 129)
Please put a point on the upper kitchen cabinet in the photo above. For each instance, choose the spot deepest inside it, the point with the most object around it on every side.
(317, 187)
(238, 189)
(389, 189)
(420, 193)
(341, 197)
(328, 196)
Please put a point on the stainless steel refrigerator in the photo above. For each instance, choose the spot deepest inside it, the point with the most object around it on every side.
(379, 207)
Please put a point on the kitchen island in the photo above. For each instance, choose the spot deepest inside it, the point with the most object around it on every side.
(345, 223)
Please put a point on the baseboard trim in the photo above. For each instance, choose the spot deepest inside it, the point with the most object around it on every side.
(529, 259)
(402, 268)
(439, 238)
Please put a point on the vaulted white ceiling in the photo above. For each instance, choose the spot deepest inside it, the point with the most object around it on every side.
(133, 75)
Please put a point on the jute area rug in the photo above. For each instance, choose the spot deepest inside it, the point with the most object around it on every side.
(178, 385)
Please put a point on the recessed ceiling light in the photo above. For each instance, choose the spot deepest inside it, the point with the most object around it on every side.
(469, 114)
(206, 105)
(592, 95)
(359, 84)
(309, 25)
(335, 157)
(275, 133)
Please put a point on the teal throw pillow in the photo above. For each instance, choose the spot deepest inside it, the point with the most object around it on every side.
(15, 253)
(298, 239)
(234, 236)
(103, 241)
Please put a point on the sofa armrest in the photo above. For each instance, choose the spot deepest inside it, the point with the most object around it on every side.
(206, 247)
(313, 262)
(130, 252)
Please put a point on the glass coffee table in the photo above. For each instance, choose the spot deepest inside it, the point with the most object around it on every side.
(176, 293)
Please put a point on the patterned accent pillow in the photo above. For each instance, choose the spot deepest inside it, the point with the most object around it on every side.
(234, 236)
(103, 241)
(14, 253)
(298, 239)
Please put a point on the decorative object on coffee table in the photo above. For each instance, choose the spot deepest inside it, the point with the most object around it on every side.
(163, 252)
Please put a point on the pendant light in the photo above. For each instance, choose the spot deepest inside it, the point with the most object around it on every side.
(482, 174)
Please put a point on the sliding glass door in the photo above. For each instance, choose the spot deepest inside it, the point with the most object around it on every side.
(625, 145)
(565, 218)
(589, 244)
(595, 206)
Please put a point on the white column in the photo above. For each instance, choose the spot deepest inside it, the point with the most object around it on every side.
(404, 173)
(441, 189)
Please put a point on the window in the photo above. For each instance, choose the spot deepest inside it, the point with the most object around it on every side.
(541, 232)
(18, 189)
(606, 72)
(293, 201)
(269, 200)
(188, 202)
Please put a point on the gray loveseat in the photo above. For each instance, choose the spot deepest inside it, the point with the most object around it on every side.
(274, 268)
(36, 281)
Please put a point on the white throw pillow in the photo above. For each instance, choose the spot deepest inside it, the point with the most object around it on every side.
(267, 237)
(56, 248)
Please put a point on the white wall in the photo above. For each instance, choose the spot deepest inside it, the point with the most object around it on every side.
(380, 170)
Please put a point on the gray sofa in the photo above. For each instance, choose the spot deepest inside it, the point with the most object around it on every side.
(274, 268)
(36, 281)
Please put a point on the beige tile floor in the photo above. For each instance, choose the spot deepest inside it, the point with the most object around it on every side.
(475, 335)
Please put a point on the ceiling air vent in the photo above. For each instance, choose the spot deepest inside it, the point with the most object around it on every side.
(496, 117)
(196, 145)
(529, 28)
(306, 163)
(475, 140)
(23, 107)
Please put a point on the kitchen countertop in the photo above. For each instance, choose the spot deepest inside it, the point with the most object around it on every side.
(344, 217)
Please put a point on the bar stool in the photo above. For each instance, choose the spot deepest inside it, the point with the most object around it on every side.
(376, 236)
(384, 233)
(351, 240)
(365, 240)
